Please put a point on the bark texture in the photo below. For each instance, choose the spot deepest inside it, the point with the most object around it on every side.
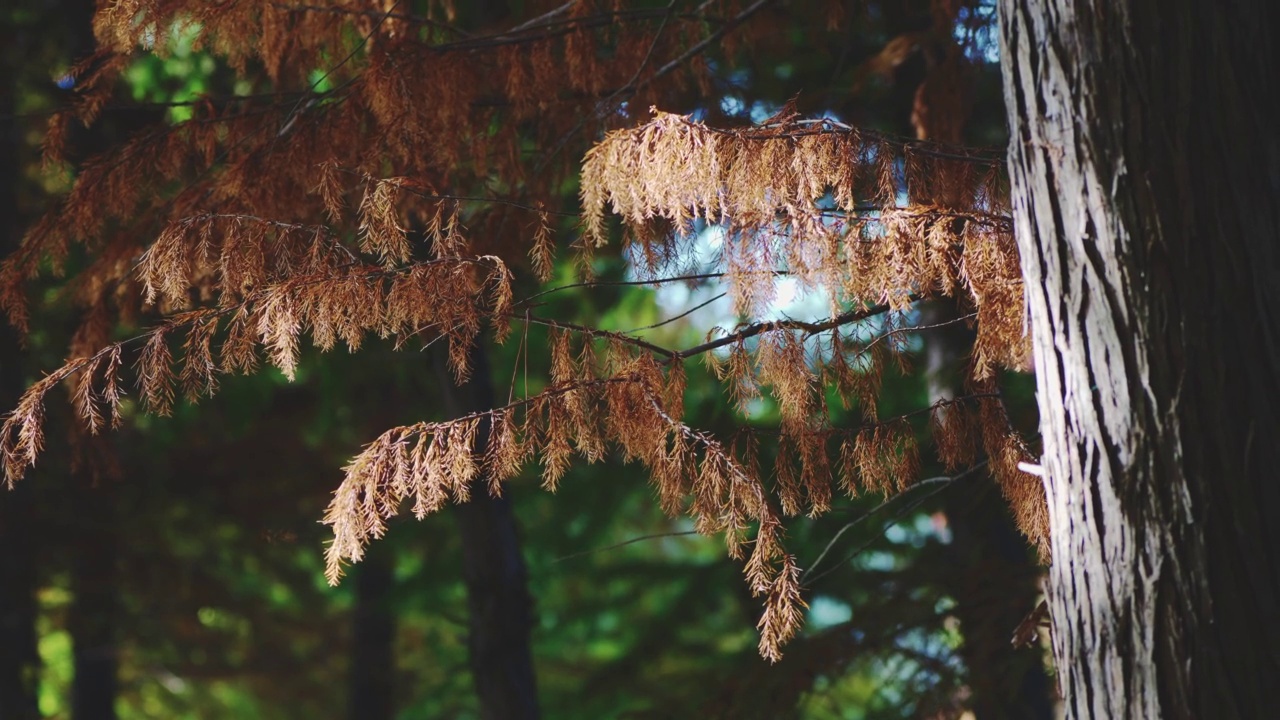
(1146, 173)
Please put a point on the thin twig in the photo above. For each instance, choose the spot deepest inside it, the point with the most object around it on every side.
(293, 114)
(698, 47)
(596, 332)
(630, 283)
(543, 19)
(811, 328)
(686, 313)
(624, 543)
(559, 28)
(747, 332)
(944, 481)
(631, 87)
(914, 328)
(480, 199)
(854, 431)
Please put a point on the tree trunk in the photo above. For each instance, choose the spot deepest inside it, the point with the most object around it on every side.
(1146, 172)
(95, 646)
(372, 672)
(19, 658)
(500, 610)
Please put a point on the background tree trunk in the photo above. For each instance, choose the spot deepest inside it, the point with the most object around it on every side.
(373, 670)
(500, 616)
(19, 658)
(1146, 172)
(500, 609)
(69, 23)
(992, 576)
(93, 618)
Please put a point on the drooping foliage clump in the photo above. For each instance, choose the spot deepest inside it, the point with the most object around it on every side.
(402, 178)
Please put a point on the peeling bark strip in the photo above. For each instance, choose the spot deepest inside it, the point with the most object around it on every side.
(1146, 175)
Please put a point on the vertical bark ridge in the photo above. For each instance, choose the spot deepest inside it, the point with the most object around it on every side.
(1144, 181)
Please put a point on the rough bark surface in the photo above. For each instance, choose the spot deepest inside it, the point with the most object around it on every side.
(1146, 173)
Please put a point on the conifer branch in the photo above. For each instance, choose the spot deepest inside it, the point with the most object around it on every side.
(597, 332)
(801, 128)
(632, 283)
(810, 328)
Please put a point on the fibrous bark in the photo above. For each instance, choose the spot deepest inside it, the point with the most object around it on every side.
(1145, 176)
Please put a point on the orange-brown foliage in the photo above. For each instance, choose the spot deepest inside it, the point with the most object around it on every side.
(396, 203)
